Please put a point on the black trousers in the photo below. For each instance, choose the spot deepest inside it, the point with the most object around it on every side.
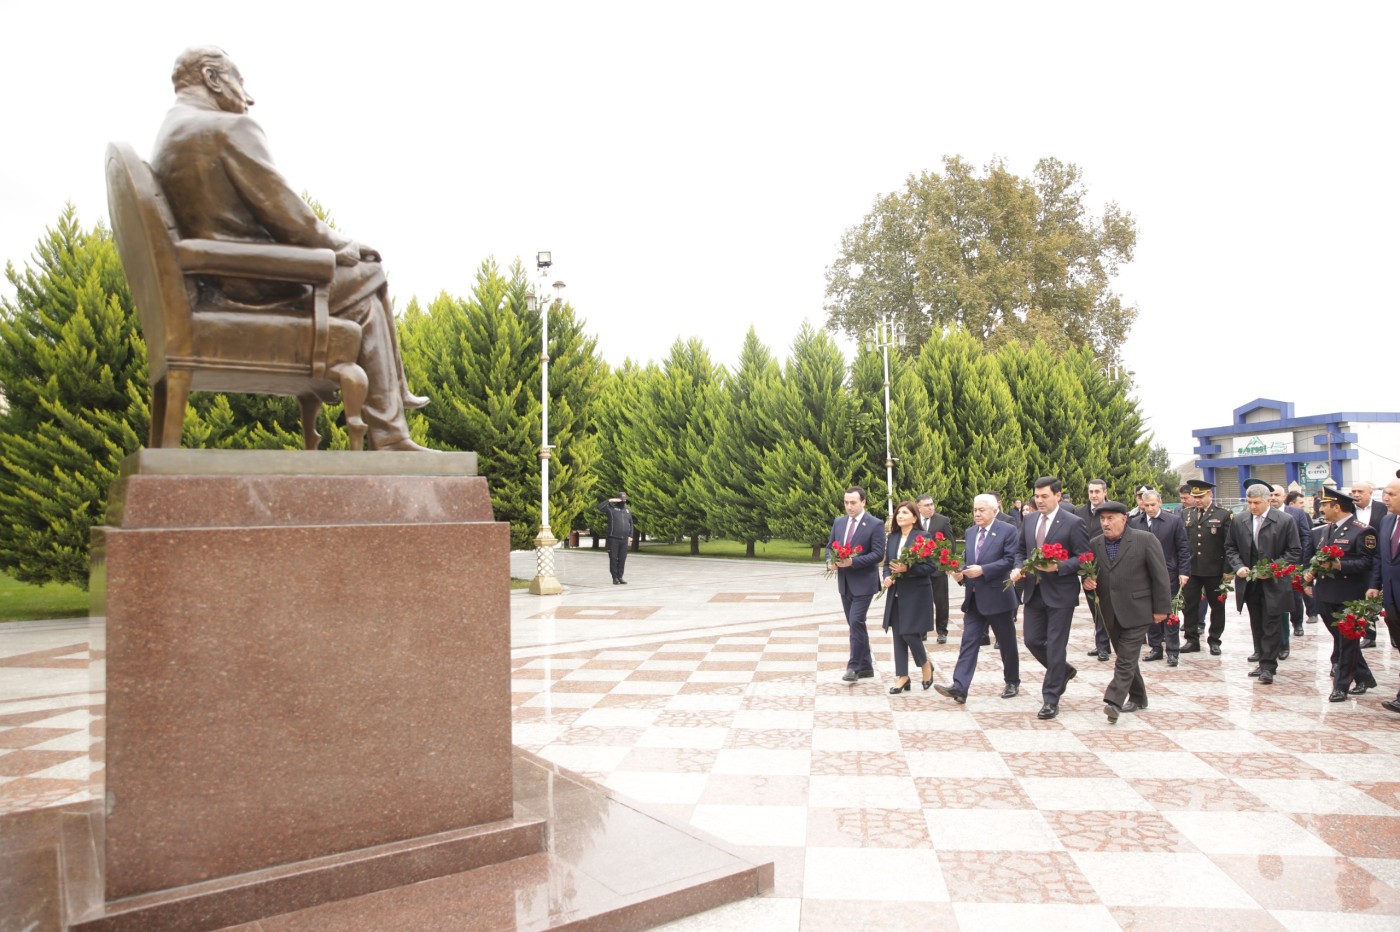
(1196, 587)
(617, 556)
(940, 603)
(1266, 627)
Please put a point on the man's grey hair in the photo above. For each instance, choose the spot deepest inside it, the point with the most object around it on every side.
(1150, 494)
(986, 498)
(189, 67)
(1258, 490)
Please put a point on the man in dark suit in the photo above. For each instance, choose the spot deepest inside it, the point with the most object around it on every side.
(1011, 517)
(1359, 545)
(1098, 494)
(1171, 534)
(1261, 532)
(1369, 513)
(990, 555)
(1302, 604)
(1134, 592)
(1050, 596)
(931, 523)
(857, 576)
(1206, 527)
(1385, 572)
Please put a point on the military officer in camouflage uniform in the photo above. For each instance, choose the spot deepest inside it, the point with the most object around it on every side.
(1206, 527)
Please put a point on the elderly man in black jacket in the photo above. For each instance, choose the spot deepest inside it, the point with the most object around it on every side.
(1171, 534)
(1133, 593)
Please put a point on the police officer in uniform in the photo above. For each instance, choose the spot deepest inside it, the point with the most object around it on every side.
(1206, 527)
(1358, 543)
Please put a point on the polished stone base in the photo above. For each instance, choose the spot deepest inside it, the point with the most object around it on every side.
(572, 855)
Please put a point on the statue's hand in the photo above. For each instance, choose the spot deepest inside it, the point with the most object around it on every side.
(369, 253)
(353, 253)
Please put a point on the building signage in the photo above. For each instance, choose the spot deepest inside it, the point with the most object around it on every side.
(1263, 444)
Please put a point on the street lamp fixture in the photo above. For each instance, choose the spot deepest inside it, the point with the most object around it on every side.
(887, 333)
(545, 582)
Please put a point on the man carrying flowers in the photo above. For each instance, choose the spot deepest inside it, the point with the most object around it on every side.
(1261, 542)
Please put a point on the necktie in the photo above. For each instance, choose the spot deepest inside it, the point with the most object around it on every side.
(850, 525)
(1040, 531)
(977, 550)
(1257, 521)
(1149, 522)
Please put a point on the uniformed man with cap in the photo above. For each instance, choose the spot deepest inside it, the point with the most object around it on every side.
(1348, 582)
(1206, 527)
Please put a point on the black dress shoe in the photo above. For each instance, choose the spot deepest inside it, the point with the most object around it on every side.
(1048, 711)
(1337, 696)
(1011, 690)
(1215, 650)
(849, 677)
(1368, 642)
(1191, 647)
(928, 682)
(1391, 704)
(1103, 656)
(864, 674)
(896, 690)
(1131, 706)
(1312, 619)
(1253, 658)
(1093, 652)
(1283, 654)
(621, 580)
(1154, 654)
(1172, 660)
(943, 639)
(1359, 689)
(1298, 630)
(1111, 711)
(986, 641)
(1073, 672)
(957, 696)
(1256, 671)
(616, 581)
(1266, 677)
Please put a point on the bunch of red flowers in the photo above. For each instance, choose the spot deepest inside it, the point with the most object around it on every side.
(843, 552)
(1358, 618)
(949, 553)
(1177, 610)
(1042, 560)
(1326, 561)
(1222, 592)
(1087, 567)
(1267, 569)
(920, 551)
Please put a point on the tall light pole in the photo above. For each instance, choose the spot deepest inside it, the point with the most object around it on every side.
(886, 334)
(545, 582)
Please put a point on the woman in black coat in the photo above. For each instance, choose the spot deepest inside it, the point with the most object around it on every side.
(908, 599)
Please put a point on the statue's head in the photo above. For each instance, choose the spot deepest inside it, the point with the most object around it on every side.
(207, 69)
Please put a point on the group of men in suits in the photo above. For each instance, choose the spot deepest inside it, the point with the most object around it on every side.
(1193, 552)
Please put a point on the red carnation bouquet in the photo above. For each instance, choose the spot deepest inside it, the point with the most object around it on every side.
(949, 553)
(843, 552)
(1087, 567)
(1178, 609)
(1268, 569)
(1325, 562)
(1043, 560)
(921, 550)
(1222, 592)
(1358, 618)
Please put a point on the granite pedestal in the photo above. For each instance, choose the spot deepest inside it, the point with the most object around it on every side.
(308, 656)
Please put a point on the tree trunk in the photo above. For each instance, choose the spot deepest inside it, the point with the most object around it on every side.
(695, 545)
(748, 548)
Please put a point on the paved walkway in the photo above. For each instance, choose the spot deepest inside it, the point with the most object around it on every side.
(709, 691)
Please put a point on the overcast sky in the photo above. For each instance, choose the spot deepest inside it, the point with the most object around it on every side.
(692, 168)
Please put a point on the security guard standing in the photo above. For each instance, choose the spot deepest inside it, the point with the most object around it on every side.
(1206, 528)
(1358, 543)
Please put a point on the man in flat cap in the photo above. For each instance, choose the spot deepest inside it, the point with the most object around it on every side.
(1259, 533)
(213, 164)
(1206, 527)
(1133, 592)
(1358, 544)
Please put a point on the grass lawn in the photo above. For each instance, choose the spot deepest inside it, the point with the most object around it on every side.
(22, 602)
(788, 550)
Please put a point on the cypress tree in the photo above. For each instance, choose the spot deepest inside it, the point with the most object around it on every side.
(1055, 417)
(975, 409)
(1118, 421)
(73, 376)
(746, 436)
(816, 458)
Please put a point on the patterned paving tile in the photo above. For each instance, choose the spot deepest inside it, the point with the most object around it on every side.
(1168, 794)
(1117, 831)
(1019, 877)
(971, 793)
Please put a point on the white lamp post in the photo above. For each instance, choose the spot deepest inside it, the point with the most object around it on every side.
(886, 334)
(545, 582)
